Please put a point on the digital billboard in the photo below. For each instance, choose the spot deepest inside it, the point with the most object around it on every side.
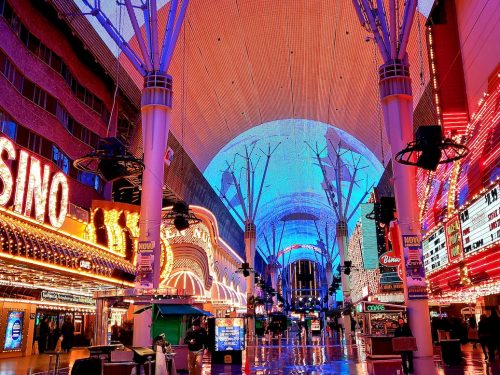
(14, 331)
(229, 334)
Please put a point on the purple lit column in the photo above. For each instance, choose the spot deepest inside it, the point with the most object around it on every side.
(156, 105)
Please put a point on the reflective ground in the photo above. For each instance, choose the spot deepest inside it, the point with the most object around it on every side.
(288, 356)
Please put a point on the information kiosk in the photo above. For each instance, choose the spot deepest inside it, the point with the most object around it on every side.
(229, 340)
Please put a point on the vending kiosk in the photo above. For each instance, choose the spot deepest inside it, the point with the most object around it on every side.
(380, 320)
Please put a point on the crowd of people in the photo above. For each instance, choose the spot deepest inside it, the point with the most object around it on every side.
(486, 332)
(49, 333)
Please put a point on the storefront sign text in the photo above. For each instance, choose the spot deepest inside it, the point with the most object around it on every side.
(66, 298)
(454, 238)
(32, 193)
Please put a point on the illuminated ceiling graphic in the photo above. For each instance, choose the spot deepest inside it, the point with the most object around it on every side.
(239, 64)
(293, 192)
(243, 69)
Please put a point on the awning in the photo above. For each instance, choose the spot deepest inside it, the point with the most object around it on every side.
(181, 310)
(140, 311)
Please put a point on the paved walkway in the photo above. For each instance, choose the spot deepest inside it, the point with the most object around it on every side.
(287, 357)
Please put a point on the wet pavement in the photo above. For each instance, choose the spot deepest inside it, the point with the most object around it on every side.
(287, 356)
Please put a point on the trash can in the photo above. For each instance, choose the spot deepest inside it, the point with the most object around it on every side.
(451, 352)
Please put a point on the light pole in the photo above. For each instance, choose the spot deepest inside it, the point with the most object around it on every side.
(152, 62)
(397, 105)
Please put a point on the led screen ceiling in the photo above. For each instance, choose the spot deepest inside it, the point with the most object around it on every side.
(293, 199)
(238, 64)
(125, 27)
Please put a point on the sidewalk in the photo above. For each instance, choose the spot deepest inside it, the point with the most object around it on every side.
(39, 363)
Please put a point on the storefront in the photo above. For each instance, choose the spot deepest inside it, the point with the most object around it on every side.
(462, 216)
(48, 271)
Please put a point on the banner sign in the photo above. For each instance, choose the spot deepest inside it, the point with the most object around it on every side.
(229, 334)
(145, 259)
(454, 238)
(66, 298)
(414, 266)
(480, 222)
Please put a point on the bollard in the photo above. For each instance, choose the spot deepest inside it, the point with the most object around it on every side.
(149, 365)
(50, 364)
(57, 364)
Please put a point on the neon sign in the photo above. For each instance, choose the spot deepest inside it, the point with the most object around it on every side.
(33, 195)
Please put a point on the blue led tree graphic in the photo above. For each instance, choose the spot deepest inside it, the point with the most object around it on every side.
(242, 174)
(341, 167)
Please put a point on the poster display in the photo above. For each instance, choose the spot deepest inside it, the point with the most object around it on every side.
(145, 255)
(414, 265)
(229, 334)
(14, 331)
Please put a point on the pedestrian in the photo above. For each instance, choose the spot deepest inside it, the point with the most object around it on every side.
(404, 330)
(472, 334)
(68, 332)
(196, 338)
(115, 332)
(484, 334)
(495, 333)
(43, 335)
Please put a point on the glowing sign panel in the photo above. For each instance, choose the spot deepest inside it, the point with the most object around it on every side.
(481, 222)
(435, 253)
(32, 186)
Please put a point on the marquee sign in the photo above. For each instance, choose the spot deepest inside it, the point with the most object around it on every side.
(435, 251)
(480, 222)
(32, 191)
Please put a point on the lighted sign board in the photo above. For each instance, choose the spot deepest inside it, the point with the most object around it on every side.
(369, 236)
(453, 238)
(229, 334)
(14, 331)
(480, 222)
(435, 253)
(47, 295)
(33, 191)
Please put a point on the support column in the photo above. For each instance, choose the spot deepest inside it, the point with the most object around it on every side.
(342, 246)
(329, 279)
(250, 244)
(156, 105)
(397, 106)
(101, 322)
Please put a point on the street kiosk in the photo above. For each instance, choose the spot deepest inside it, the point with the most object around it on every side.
(380, 320)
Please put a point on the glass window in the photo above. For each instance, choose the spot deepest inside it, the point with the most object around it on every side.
(8, 127)
(60, 159)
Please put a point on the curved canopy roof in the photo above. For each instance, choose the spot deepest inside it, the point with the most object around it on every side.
(268, 71)
(293, 199)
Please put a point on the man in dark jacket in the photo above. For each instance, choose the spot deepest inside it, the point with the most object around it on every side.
(43, 335)
(68, 332)
(404, 330)
(196, 338)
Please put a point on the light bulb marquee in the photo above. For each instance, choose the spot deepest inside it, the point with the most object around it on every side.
(47, 192)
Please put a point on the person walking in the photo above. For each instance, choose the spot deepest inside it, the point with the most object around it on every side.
(472, 334)
(43, 335)
(196, 339)
(495, 333)
(484, 333)
(68, 333)
(404, 330)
